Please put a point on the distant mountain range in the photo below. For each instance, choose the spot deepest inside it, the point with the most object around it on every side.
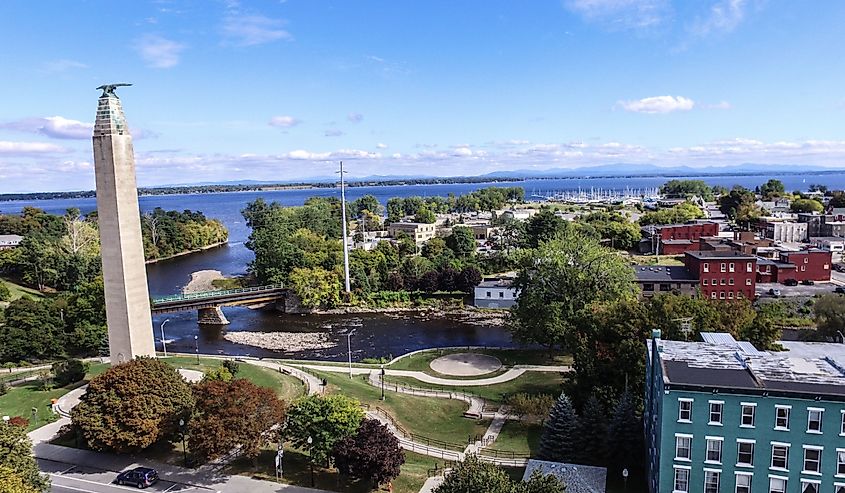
(606, 170)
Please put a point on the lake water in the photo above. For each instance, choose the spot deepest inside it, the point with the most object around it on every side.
(379, 335)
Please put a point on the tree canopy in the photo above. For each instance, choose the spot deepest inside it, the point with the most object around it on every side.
(740, 206)
(772, 189)
(679, 214)
(326, 419)
(474, 475)
(687, 188)
(17, 464)
(372, 454)
(806, 205)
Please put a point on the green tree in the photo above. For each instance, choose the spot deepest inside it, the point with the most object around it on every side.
(558, 442)
(468, 279)
(424, 215)
(829, 311)
(5, 294)
(679, 214)
(17, 461)
(772, 189)
(233, 414)
(687, 188)
(540, 483)
(10, 482)
(32, 331)
(558, 280)
(326, 419)
(626, 434)
(837, 199)
(221, 374)
(367, 203)
(739, 205)
(461, 241)
(132, 406)
(543, 226)
(316, 287)
(806, 205)
(591, 440)
(69, 371)
(473, 475)
(372, 454)
(763, 332)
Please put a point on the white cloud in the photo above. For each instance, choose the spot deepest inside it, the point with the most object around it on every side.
(63, 65)
(658, 104)
(29, 148)
(251, 30)
(355, 117)
(56, 127)
(333, 132)
(284, 121)
(381, 146)
(724, 16)
(622, 14)
(159, 52)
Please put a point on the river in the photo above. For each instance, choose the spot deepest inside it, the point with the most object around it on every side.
(376, 335)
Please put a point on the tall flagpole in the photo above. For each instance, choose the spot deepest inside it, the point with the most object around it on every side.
(343, 225)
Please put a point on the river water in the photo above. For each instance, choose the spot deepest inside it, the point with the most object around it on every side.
(376, 335)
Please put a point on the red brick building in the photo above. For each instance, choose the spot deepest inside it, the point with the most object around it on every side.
(675, 239)
(813, 264)
(724, 275)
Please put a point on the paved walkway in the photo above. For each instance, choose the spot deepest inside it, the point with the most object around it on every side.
(434, 482)
(507, 376)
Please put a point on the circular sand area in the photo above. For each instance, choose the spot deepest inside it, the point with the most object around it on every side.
(465, 364)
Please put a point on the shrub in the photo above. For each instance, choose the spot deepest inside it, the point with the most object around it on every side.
(233, 366)
(5, 294)
(69, 371)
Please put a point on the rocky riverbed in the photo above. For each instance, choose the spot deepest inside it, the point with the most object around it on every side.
(282, 341)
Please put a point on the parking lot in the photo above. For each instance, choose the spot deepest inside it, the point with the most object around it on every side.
(763, 289)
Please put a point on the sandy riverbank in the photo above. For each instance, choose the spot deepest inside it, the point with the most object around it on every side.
(202, 281)
(282, 341)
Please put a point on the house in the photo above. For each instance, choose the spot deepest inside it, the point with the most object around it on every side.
(577, 478)
(518, 214)
(656, 279)
(495, 293)
(7, 242)
(786, 231)
(829, 243)
(419, 232)
(721, 416)
(723, 274)
(812, 264)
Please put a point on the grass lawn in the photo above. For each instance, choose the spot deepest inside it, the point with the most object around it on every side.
(438, 419)
(530, 382)
(287, 387)
(520, 437)
(508, 357)
(19, 291)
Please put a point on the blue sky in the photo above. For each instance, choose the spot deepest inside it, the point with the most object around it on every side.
(282, 90)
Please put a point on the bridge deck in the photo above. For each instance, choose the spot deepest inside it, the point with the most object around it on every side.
(207, 299)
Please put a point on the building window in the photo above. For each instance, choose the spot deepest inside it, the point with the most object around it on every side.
(748, 411)
(814, 420)
(681, 480)
(685, 410)
(706, 266)
(501, 294)
(780, 455)
(714, 450)
(748, 282)
(749, 267)
(812, 460)
(839, 487)
(840, 462)
(716, 412)
(777, 485)
(489, 294)
(731, 267)
(723, 267)
(704, 282)
(722, 281)
(730, 295)
(745, 453)
(743, 483)
(731, 281)
(683, 447)
(713, 295)
(803, 268)
(721, 295)
(842, 426)
(711, 481)
(648, 287)
(664, 287)
(782, 418)
(809, 486)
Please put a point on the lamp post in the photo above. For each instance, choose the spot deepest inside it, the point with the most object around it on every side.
(349, 349)
(163, 344)
(197, 348)
(184, 449)
(382, 382)
(311, 458)
(625, 477)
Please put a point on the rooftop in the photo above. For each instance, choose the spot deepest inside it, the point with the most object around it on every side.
(808, 369)
(578, 478)
(662, 273)
(495, 283)
(721, 254)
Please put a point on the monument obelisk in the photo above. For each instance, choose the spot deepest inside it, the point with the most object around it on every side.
(122, 248)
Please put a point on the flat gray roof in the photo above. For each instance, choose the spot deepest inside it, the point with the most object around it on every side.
(663, 273)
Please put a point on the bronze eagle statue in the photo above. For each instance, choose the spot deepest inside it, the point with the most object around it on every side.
(108, 89)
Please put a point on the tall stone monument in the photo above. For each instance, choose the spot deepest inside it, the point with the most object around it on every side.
(124, 273)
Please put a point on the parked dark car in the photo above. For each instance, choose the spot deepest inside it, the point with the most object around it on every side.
(839, 267)
(774, 292)
(839, 290)
(808, 282)
(790, 282)
(140, 477)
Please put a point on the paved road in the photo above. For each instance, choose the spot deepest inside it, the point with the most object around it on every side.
(799, 290)
(78, 479)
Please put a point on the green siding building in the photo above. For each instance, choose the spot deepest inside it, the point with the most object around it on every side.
(722, 417)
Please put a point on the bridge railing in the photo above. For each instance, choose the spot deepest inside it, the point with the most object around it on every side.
(215, 294)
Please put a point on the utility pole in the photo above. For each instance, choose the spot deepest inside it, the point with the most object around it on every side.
(343, 225)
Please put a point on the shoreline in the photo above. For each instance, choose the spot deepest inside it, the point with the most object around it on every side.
(186, 252)
(202, 280)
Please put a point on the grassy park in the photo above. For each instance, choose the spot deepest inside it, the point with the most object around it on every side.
(508, 357)
(530, 382)
(19, 291)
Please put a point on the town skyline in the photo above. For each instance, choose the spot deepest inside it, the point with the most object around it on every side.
(445, 90)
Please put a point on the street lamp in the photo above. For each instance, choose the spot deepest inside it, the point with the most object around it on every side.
(311, 458)
(625, 477)
(197, 348)
(163, 344)
(184, 449)
(349, 349)
(382, 382)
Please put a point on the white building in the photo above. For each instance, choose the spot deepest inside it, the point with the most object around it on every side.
(419, 232)
(7, 242)
(829, 243)
(786, 231)
(495, 293)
